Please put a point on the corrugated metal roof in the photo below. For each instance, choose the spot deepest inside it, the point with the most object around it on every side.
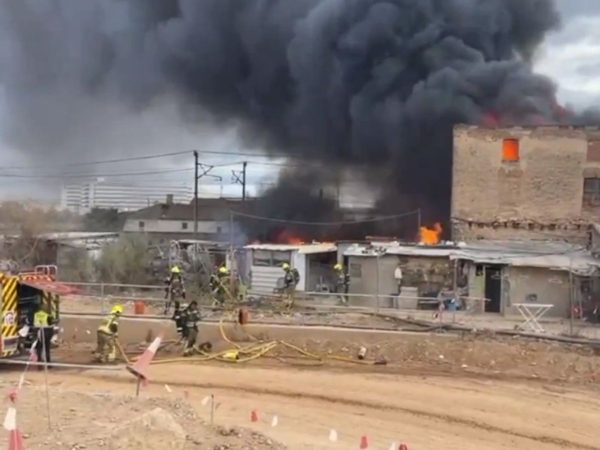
(400, 250)
(303, 249)
(581, 263)
(75, 235)
(551, 255)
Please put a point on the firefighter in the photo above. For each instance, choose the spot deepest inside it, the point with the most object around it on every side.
(218, 283)
(342, 282)
(179, 319)
(107, 334)
(291, 278)
(174, 288)
(192, 317)
(42, 324)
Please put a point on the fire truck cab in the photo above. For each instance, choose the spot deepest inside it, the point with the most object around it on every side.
(20, 296)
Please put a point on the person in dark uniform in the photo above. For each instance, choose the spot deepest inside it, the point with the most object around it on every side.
(192, 317)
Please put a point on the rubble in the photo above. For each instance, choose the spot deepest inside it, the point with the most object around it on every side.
(155, 430)
(84, 421)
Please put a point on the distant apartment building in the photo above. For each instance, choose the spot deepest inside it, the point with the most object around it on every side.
(525, 183)
(82, 198)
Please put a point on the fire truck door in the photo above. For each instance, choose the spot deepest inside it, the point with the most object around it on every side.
(9, 317)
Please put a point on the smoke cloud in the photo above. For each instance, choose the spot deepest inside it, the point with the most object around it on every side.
(375, 85)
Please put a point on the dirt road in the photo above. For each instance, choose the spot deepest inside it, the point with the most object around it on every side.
(428, 413)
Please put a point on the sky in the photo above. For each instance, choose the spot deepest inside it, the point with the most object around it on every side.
(570, 56)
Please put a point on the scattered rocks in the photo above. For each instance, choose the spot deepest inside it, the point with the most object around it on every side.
(155, 430)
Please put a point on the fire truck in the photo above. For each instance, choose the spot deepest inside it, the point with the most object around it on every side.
(20, 296)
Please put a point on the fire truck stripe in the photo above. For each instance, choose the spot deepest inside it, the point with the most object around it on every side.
(9, 303)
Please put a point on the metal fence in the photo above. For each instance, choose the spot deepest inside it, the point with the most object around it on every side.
(572, 307)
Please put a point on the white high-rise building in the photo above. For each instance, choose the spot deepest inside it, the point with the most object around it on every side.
(83, 197)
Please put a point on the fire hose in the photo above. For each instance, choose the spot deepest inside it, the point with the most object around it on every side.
(240, 354)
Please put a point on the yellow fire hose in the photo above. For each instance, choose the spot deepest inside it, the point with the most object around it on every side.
(241, 354)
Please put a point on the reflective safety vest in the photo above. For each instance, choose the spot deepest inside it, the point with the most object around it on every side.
(192, 317)
(41, 319)
(109, 324)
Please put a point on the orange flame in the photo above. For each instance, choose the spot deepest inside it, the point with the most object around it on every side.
(430, 236)
(286, 237)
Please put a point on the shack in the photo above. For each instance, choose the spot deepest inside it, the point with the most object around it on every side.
(314, 262)
(510, 272)
(491, 276)
(426, 270)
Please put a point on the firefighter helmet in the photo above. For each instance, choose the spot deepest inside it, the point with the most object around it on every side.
(175, 269)
(117, 309)
(338, 266)
(285, 266)
(223, 270)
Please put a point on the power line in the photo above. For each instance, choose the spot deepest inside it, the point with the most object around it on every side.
(105, 161)
(107, 175)
(163, 155)
(343, 222)
(93, 175)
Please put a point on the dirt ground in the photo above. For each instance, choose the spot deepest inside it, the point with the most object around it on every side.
(426, 412)
(436, 391)
(461, 355)
(100, 416)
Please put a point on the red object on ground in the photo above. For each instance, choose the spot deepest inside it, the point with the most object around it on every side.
(12, 394)
(139, 308)
(364, 442)
(254, 416)
(403, 447)
(243, 316)
(15, 440)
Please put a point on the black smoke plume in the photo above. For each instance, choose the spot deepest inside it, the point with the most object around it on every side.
(375, 85)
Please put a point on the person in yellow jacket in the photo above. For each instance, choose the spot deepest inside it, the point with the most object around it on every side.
(107, 334)
(218, 285)
(42, 324)
(174, 288)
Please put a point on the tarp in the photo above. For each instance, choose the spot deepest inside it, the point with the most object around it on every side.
(49, 286)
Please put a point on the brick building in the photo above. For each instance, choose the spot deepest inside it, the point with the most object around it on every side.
(525, 183)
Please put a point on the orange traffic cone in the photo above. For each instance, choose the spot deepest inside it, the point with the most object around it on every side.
(364, 442)
(12, 395)
(140, 367)
(254, 416)
(15, 440)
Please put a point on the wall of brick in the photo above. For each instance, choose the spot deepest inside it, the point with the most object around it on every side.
(536, 197)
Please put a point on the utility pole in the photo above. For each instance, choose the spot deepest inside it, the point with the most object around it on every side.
(244, 165)
(240, 178)
(195, 194)
(206, 168)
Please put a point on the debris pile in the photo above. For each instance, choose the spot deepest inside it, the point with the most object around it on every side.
(107, 421)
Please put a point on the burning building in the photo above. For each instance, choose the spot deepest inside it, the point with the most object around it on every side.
(531, 183)
(260, 265)
(371, 87)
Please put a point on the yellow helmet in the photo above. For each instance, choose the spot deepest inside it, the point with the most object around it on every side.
(175, 269)
(223, 270)
(338, 266)
(117, 309)
(285, 266)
